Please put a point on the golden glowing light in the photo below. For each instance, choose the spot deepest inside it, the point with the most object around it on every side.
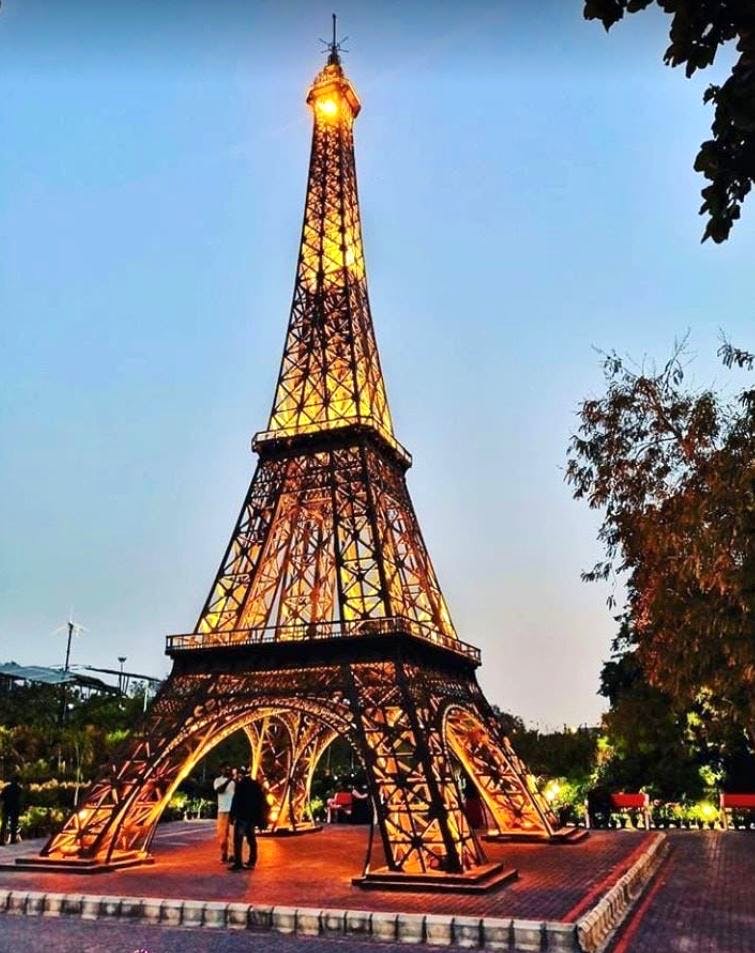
(552, 790)
(347, 386)
(327, 106)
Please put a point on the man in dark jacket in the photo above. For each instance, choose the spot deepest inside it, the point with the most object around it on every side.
(248, 811)
(11, 798)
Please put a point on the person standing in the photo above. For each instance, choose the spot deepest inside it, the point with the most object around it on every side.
(473, 807)
(11, 810)
(361, 808)
(248, 811)
(224, 786)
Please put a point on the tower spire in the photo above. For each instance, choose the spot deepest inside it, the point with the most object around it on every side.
(330, 374)
(335, 46)
(334, 58)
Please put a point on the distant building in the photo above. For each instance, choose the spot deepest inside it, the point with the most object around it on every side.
(12, 674)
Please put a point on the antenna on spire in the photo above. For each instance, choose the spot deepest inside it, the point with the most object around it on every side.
(335, 46)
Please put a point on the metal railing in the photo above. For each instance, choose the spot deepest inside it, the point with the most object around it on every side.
(314, 631)
(270, 436)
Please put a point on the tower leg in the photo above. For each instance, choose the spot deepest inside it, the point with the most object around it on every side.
(515, 805)
(192, 713)
(272, 749)
(115, 823)
(425, 835)
(286, 747)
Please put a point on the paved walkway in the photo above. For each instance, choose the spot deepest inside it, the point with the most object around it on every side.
(702, 900)
(556, 882)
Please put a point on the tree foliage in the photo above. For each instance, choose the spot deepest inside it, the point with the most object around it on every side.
(568, 753)
(650, 741)
(698, 29)
(675, 753)
(673, 471)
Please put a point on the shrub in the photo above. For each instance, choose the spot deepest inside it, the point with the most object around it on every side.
(40, 821)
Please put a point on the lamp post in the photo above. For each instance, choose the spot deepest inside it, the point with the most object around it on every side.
(121, 659)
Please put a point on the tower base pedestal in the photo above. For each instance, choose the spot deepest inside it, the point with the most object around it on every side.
(564, 835)
(292, 831)
(80, 865)
(480, 880)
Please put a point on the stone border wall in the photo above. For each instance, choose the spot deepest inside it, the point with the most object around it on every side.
(595, 928)
(474, 933)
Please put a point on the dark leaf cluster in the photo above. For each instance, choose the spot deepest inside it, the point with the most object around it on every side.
(698, 29)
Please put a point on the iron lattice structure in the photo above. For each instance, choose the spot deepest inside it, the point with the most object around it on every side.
(326, 617)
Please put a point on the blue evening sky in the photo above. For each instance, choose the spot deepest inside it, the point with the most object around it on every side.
(527, 195)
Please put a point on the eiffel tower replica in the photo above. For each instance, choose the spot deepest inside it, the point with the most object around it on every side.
(326, 618)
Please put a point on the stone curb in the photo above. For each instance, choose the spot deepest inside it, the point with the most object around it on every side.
(598, 925)
(587, 935)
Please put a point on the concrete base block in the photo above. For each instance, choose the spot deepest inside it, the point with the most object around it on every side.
(561, 937)
(132, 908)
(151, 909)
(385, 926)
(308, 922)
(16, 902)
(215, 914)
(71, 906)
(496, 934)
(35, 904)
(237, 916)
(468, 932)
(528, 935)
(110, 907)
(90, 907)
(438, 930)
(358, 922)
(170, 912)
(53, 904)
(260, 918)
(333, 922)
(410, 927)
(284, 919)
(192, 914)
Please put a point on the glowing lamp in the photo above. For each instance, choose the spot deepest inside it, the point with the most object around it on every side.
(552, 791)
(327, 106)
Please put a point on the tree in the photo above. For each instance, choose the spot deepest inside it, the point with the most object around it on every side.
(79, 743)
(673, 471)
(650, 741)
(698, 29)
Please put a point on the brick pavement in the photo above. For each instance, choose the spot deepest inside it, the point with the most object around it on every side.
(315, 870)
(702, 901)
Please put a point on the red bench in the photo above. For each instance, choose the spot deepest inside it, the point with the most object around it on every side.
(633, 802)
(340, 805)
(735, 802)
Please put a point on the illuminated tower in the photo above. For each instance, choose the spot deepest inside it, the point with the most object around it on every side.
(326, 618)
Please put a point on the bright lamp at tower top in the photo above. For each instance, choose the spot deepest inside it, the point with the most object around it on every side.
(332, 96)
